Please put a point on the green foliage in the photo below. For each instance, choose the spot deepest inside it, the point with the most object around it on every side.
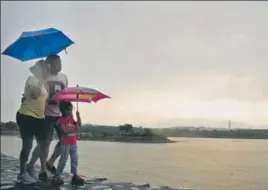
(98, 130)
(128, 131)
(126, 127)
(148, 132)
(9, 126)
(122, 133)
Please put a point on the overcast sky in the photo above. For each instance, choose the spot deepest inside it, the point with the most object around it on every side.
(163, 63)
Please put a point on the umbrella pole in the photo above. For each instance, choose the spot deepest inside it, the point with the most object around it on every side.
(77, 100)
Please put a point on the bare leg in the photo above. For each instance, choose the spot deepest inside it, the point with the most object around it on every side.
(55, 155)
(44, 147)
(44, 150)
(35, 155)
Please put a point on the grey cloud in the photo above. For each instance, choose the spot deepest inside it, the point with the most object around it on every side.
(201, 50)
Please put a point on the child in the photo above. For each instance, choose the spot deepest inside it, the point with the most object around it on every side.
(68, 144)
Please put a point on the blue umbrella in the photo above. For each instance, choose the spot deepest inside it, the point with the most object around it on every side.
(38, 44)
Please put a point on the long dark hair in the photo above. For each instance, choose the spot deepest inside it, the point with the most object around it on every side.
(64, 106)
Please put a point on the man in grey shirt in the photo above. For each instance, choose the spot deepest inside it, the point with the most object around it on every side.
(55, 82)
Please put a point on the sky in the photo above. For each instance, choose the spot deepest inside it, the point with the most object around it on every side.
(163, 63)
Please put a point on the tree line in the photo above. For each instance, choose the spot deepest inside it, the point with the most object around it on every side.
(130, 130)
(96, 130)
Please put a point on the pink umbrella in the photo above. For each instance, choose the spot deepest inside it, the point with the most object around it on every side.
(79, 94)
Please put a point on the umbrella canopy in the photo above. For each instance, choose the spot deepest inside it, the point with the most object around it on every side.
(38, 44)
(79, 94)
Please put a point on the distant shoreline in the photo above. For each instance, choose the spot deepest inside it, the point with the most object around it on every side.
(17, 134)
(10, 133)
(130, 134)
(217, 134)
(108, 139)
(122, 133)
(131, 140)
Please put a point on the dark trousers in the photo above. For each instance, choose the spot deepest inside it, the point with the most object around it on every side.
(30, 127)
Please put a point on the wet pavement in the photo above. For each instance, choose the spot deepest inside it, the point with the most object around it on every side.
(10, 170)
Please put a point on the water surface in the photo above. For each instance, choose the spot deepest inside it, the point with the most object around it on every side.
(210, 164)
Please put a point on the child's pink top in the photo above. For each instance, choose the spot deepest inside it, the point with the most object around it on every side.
(69, 126)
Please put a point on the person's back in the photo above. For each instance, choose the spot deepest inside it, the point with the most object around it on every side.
(33, 107)
(55, 82)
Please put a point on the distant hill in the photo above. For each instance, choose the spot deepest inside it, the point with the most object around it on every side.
(262, 126)
(210, 123)
(129, 133)
(205, 132)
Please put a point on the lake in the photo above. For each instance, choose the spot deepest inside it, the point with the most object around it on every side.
(208, 164)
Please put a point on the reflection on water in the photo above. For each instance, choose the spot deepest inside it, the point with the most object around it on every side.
(210, 164)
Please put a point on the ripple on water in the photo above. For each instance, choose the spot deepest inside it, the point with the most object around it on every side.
(9, 172)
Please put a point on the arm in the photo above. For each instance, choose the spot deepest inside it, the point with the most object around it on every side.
(33, 87)
(66, 81)
(60, 130)
(77, 123)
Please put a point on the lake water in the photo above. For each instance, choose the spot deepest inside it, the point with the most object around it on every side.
(209, 164)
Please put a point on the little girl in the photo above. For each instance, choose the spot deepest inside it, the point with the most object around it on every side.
(68, 144)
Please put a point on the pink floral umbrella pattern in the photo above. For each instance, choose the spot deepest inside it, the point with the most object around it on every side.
(79, 94)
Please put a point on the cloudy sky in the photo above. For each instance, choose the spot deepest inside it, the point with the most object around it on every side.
(163, 63)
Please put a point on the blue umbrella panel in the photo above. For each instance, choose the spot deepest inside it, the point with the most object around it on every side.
(38, 44)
